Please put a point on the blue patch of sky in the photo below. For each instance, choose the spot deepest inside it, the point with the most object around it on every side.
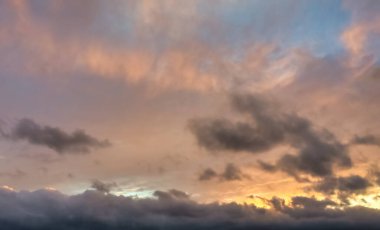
(320, 26)
(315, 25)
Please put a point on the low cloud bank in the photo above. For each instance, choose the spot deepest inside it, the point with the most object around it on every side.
(173, 209)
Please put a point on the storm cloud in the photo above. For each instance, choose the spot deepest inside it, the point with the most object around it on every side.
(54, 138)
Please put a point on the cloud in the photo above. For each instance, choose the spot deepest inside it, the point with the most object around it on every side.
(48, 209)
(172, 195)
(102, 186)
(222, 134)
(360, 37)
(302, 207)
(53, 137)
(266, 166)
(317, 150)
(353, 184)
(366, 140)
(374, 174)
(146, 42)
(207, 174)
(231, 172)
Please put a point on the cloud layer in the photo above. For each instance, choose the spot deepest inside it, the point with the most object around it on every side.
(47, 209)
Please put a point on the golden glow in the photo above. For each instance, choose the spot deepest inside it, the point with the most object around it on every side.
(6, 187)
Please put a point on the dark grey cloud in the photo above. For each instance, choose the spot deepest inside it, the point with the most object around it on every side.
(302, 207)
(231, 172)
(45, 210)
(54, 138)
(317, 150)
(102, 186)
(207, 174)
(366, 140)
(347, 185)
(171, 195)
(222, 134)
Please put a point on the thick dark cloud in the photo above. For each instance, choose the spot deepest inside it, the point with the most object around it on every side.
(44, 209)
(317, 151)
(366, 140)
(54, 138)
(347, 185)
(102, 186)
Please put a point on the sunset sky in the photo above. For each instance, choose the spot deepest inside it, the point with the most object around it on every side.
(252, 112)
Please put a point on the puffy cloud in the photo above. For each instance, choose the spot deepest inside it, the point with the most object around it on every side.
(53, 137)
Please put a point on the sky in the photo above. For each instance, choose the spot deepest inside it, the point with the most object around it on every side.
(167, 114)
